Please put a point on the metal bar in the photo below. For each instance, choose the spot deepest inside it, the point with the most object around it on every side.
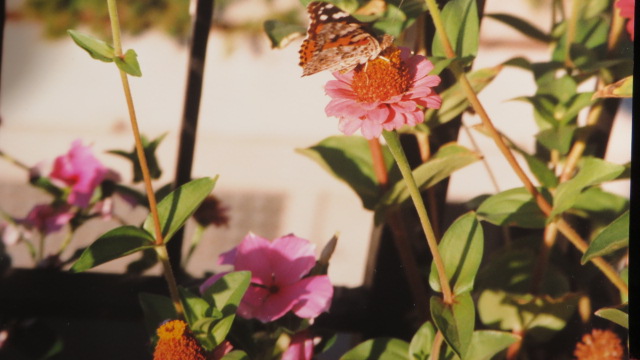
(195, 74)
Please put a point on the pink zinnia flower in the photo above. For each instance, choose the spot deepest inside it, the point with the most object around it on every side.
(300, 347)
(46, 219)
(278, 282)
(386, 93)
(80, 170)
(627, 10)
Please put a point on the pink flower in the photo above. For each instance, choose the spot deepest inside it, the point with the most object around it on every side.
(221, 350)
(300, 347)
(46, 219)
(386, 93)
(628, 10)
(278, 282)
(9, 233)
(80, 170)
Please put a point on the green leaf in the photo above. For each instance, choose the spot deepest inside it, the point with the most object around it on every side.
(156, 309)
(348, 158)
(129, 63)
(178, 206)
(485, 344)
(113, 245)
(456, 322)
(540, 316)
(150, 148)
(195, 308)
(420, 346)
(98, 49)
(619, 89)
(601, 205)
(513, 207)
(613, 237)
(618, 314)
(236, 355)
(454, 99)
(557, 138)
(511, 270)
(462, 27)
(379, 349)
(522, 26)
(461, 251)
(399, 15)
(541, 171)
(446, 161)
(574, 106)
(280, 34)
(225, 294)
(593, 171)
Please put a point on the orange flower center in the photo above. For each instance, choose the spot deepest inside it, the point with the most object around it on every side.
(177, 343)
(381, 78)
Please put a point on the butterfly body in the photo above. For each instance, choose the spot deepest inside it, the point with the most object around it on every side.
(336, 41)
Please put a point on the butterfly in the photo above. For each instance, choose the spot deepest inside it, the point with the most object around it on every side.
(336, 41)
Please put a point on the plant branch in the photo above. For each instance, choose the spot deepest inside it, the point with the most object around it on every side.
(477, 106)
(393, 142)
(161, 247)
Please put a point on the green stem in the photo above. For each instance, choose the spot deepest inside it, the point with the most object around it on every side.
(393, 142)
(65, 242)
(161, 247)
(14, 161)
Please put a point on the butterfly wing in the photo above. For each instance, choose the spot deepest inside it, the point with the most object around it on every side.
(335, 41)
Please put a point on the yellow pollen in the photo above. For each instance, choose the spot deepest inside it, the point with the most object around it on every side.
(381, 78)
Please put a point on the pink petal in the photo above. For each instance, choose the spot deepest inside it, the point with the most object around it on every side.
(291, 258)
(344, 108)
(337, 89)
(371, 129)
(379, 115)
(427, 81)
(228, 257)
(258, 303)
(349, 125)
(314, 296)
(300, 347)
(253, 255)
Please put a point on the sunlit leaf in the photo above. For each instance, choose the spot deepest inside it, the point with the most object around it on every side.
(461, 250)
(618, 314)
(98, 49)
(462, 27)
(119, 242)
(178, 206)
(349, 159)
(129, 63)
(456, 321)
(379, 349)
(420, 346)
(593, 171)
(513, 207)
(522, 26)
(613, 237)
(619, 89)
(281, 34)
(487, 343)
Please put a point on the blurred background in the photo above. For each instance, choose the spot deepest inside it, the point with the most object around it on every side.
(256, 110)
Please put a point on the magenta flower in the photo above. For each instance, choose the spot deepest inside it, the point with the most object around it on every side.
(80, 170)
(46, 219)
(278, 282)
(300, 347)
(387, 93)
(628, 10)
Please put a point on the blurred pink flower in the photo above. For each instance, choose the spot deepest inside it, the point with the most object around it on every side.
(9, 233)
(300, 347)
(278, 282)
(46, 219)
(80, 170)
(384, 94)
(628, 10)
(221, 350)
